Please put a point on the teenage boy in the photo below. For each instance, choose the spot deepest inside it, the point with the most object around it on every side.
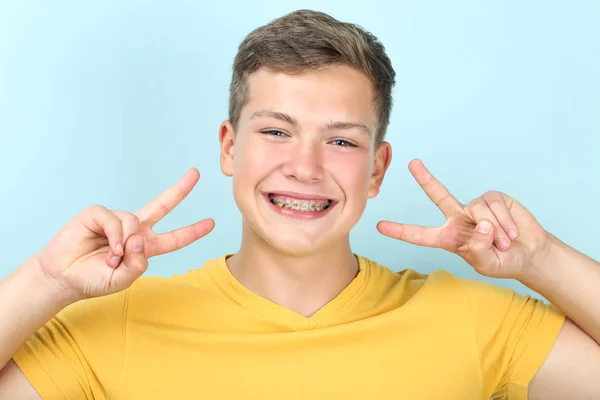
(295, 314)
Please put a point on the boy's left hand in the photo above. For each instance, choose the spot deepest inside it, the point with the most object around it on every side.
(514, 243)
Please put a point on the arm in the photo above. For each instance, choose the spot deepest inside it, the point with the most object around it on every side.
(571, 281)
(500, 238)
(14, 385)
(38, 302)
(99, 253)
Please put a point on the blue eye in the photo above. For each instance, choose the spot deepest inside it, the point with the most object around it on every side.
(274, 132)
(343, 143)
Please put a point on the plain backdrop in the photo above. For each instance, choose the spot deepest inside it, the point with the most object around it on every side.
(110, 102)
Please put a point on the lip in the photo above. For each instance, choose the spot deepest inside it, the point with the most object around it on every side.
(299, 215)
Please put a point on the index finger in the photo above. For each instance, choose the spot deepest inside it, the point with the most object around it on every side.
(434, 189)
(156, 209)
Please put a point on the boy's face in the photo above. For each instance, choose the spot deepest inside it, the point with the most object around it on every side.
(303, 159)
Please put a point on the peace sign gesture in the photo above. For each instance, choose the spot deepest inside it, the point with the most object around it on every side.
(495, 234)
(103, 251)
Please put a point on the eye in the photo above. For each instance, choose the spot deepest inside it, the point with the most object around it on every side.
(342, 143)
(274, 132)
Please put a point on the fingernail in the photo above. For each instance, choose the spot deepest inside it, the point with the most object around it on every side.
(137, 248)
(512, 233)
(115, 260)
(484, 227)
(503, 243)
(119, 248)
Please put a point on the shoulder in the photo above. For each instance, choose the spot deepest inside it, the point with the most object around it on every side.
(437, 279)
(193, 279)
(153, 296)
(440, 285)
(439, 289)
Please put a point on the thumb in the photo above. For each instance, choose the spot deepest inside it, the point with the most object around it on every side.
(481, 254)
(134, 263)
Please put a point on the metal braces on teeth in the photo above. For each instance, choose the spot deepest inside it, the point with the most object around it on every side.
(299, 206)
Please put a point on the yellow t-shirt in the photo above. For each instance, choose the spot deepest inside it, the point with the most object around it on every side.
(203, 335)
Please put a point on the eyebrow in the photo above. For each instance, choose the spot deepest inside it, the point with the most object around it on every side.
(337, 125)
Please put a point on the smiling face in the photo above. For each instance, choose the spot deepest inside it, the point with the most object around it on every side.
(303, 159)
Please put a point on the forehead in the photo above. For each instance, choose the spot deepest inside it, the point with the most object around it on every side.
(333, 93)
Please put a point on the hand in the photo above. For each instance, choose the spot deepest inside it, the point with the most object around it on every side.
(495, 234)
(102, 251)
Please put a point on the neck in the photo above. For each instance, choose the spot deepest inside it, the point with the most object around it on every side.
(302, 283)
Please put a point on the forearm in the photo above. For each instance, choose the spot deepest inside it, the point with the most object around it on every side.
(27, 301)
(571, 281)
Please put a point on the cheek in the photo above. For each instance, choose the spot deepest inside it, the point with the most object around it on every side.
(353, 175)
(253, 160)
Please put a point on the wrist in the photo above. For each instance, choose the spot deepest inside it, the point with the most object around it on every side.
(544, 264)
(47, 287)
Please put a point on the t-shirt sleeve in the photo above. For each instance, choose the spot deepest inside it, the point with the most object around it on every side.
(514, 335)
(78, 353)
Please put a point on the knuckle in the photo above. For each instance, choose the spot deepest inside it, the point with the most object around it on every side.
(495, 203)
(132, 219)
(177, 242)
(128, 221)
(143, 266)
(113, 219)
(140, 262)
(163, 207)
(477, 246)
(494, 196)
(96, 208)
(476, 204)
(113, 224)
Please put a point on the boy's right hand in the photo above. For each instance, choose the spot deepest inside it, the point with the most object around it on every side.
(102, 251)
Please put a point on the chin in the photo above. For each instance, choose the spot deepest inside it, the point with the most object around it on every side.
(293, 244)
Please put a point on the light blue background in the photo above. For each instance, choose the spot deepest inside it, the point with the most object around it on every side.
(110, 102)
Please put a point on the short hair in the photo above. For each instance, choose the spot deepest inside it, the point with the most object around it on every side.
(306, 40)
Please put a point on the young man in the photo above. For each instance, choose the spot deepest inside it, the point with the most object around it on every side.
(294, 314)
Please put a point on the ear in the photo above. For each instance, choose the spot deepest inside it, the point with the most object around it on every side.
(227, 141)
(383, 158)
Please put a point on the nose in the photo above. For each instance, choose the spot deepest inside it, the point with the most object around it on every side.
(304, 162)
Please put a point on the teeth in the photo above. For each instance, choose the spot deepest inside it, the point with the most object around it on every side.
(299, 205)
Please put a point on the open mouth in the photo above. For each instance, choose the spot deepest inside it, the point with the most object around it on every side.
(300, 205)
